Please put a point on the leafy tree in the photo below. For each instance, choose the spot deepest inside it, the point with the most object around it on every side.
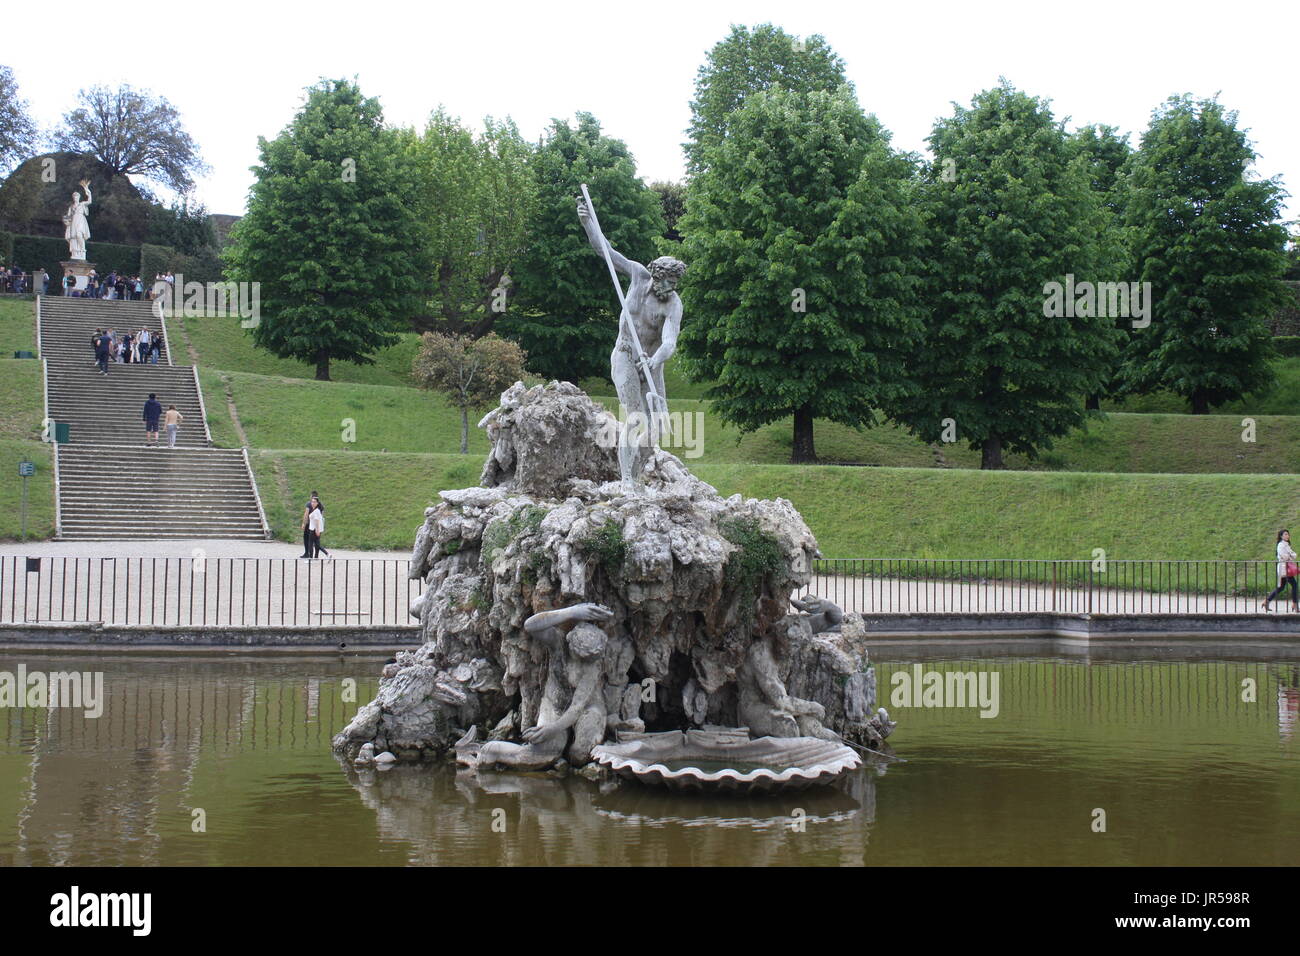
(17, 131)
(477, 196)
(331, 232)
(749, 62)
(472, 373)
(183, 226)
(1010, 211)
(803, 242)
(135, 133)
(672, 200)
(1107, 155)
(1208, 240)
(566, 312)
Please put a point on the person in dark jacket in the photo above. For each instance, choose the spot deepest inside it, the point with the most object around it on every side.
(152, 412)
(101, 353)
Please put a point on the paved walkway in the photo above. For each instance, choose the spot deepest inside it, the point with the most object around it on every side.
(212, 548)
(893, 596)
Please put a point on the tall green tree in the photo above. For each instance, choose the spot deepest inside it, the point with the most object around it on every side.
(477, 197)
(17, 131)
(803, 241)
(750, 61)
(1107, 154)
(1209, 241)
(1010, 211)
(672, 200)
(565, 314)
(331, 232)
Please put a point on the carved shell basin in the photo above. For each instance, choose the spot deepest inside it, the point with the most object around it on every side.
(729, 760)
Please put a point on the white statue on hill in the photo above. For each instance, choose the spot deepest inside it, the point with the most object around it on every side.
(76, 227)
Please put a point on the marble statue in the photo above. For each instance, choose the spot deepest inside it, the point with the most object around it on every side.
(823, 615)
(647, 337)
(572, 698)
(76, 228)
(764, 705)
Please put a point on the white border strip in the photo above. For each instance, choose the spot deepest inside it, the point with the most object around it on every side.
(58, 494)
(203, 409)
(252, 479)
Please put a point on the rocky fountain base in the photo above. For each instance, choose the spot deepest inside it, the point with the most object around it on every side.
(563, 610)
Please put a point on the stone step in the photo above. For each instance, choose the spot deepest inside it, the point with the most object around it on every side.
(106, 474)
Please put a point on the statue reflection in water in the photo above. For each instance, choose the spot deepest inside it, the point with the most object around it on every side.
(463, 817)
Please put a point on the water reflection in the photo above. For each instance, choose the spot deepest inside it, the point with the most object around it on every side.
(1195, 761)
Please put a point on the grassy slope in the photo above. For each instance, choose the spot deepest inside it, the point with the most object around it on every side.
(223, 343)
(22, 406)
(377, 501)
(40, 490)
(1283, 399)
(17, 326)
(299, 413)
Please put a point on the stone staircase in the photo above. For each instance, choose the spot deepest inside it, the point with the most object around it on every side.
(108, 484)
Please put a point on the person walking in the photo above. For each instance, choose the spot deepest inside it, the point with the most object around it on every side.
(152, 412)
(155, 347)
(173, 420)
(306, 527)
(94, 344)
(1287, 571)
(316, 525)
(316, 503)
(101, 353)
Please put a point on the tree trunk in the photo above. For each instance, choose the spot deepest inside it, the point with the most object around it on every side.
(991, 453)
(1200, 402)
(464, 431)
(803, 450)
(322, 365)
(1092, 403)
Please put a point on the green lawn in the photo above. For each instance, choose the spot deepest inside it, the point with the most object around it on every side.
(377, 501)
(374, 501)
(1282, 399)
(221, 342)
(22, 398)
(40, 490)
(17, 326)
(304, 414)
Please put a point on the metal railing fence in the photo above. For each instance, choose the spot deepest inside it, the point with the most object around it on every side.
(207, 592)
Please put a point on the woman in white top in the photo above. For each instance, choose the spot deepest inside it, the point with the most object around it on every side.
(316, 525)
(1285, 555)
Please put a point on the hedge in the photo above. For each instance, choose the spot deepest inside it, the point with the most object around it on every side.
(1288, 346)
(31, 253)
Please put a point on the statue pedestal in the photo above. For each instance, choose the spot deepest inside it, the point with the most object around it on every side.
(79, 268)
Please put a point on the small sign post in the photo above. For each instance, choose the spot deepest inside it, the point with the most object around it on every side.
(25, 470)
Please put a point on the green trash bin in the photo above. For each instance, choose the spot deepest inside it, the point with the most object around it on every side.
(61, 430)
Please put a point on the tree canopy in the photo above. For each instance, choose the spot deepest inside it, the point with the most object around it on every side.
(17, 131)
(477, 196)
(565, 314)
(331, 232)
(804, 244)
(1207, 239)
(750, 61)
(1011, 209)
(134, 132)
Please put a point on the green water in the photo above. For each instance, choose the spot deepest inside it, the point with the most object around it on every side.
(1185, 770)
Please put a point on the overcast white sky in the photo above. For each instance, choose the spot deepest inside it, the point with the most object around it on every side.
(236, 70)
